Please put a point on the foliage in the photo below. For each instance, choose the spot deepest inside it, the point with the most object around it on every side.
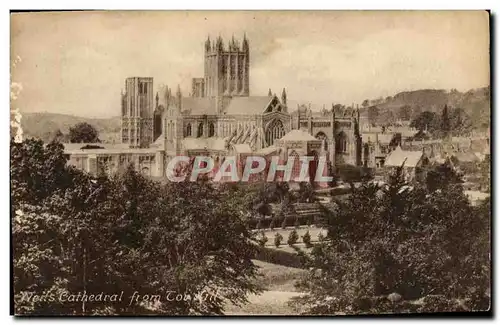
(263, 239)
(373, 113)
(426, 121)
(277, 239)
(400, 239)
(83, 133)
(306, 238)
(74, 233)
(293, 237)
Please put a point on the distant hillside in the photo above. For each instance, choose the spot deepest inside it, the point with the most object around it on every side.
(475, 102)
(45, 125)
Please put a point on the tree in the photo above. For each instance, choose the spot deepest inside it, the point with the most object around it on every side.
(306, 238)
(445, 122)
(306, 193)
(73, 233)
(365, 103)
(426, 121)
(373, 113)
(83, 133)
(277, 239)
(292, 238)
(405, 112)
(398, 241)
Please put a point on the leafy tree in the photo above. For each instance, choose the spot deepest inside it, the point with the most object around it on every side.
(83, 133)
(405, 112)
(273, 223)
(426, 121)
(445, 122)
(306, 238)
(292, 238)
(306, 193)
(74, 233)
(373, 113)
(365, 103)
(277, 239)
(296, 223)
(394, 240)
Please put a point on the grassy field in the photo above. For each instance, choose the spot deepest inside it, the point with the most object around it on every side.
(279, 283)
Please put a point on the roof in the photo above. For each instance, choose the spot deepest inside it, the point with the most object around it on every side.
(385, 138)
(213, 143)
(248, 105)
(266, 151)
(199, 105)
(298, 135)
(398, 156)
(466, 157)
(75, 149)
(242, 148)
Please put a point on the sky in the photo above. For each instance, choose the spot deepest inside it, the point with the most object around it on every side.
(76, 62)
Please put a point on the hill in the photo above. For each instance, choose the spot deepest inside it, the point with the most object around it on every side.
(45, 125)
(475, 102)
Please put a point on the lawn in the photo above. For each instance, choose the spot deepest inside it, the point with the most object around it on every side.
(279, 283)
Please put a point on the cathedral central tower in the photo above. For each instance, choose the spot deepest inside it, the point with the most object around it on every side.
(226, 70)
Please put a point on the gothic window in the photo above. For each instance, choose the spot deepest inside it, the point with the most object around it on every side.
(188, 130)
(200, 130)
(211, 130)
(274, 131)
(297, 165)
(341, 142)
(322, 136)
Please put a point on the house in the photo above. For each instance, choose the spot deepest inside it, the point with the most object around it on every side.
(413, 163)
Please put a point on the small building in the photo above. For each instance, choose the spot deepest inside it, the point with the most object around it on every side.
(414, 163)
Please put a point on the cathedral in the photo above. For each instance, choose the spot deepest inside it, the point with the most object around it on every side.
(220, 118)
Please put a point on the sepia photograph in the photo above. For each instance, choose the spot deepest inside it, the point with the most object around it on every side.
(250, 163)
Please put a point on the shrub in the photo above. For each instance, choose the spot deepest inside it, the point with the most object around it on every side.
(321, 237)
(277, 240)
(263, 239)
(292, 237)
(307, 239)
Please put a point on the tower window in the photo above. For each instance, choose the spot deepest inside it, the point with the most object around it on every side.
(188, 130)
(142, 88)
(211, 130)
(200, 130)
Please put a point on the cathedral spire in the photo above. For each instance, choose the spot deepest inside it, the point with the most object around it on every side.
(179, 97)
(270, 94)
(220, 44)
(207, 44)
(283, 97)
(157, 99)
(245, 43)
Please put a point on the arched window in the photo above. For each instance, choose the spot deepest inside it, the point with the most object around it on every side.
(211, 130)
(322, 136)
(200, 130)
(188, 130)
(341, 142)
(274, 131)
(297, 165)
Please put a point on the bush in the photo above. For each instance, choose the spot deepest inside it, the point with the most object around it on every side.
(293, 237)
(307, 239)
(321, 237)
(277, 240)
(263, 239)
